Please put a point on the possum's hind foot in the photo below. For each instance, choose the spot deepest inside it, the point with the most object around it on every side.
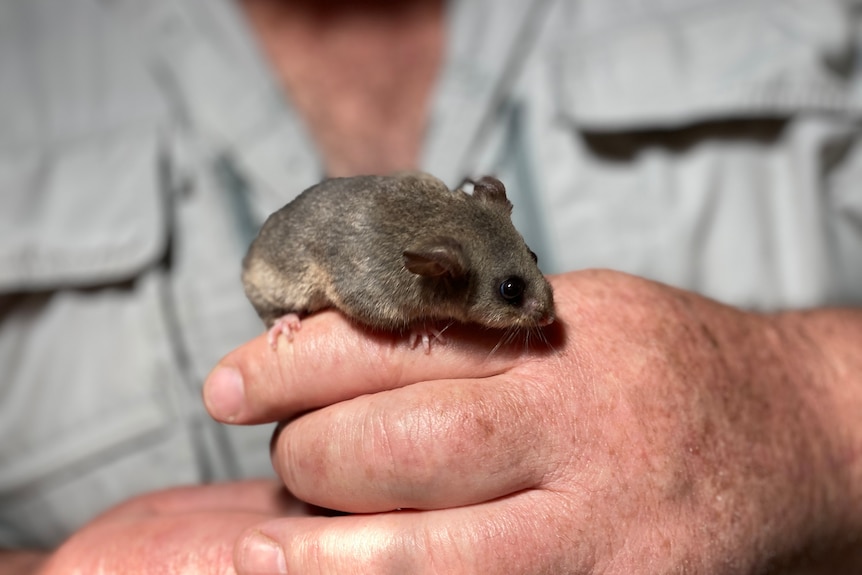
(287, 325)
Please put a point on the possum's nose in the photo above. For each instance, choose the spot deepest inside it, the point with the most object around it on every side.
(539, 312)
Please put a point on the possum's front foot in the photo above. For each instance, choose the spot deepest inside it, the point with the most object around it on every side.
(425, 335)
(287, 325)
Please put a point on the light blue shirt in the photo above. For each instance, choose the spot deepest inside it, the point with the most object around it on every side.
(713, 145)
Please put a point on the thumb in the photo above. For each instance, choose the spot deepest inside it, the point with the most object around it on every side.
(332, 359)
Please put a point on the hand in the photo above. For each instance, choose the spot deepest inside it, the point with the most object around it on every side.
(658, 432)
(184, 530)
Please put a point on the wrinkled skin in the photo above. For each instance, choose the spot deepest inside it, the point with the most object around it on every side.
(184, 530)
(656, 432)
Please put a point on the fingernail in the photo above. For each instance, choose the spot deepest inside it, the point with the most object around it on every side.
(224, 393)
(261, 555)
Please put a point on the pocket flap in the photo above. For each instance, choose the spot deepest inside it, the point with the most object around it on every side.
(80, 213)
(676, 63)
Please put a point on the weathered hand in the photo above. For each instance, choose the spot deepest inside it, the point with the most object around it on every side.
(184, 530)
(658, 432)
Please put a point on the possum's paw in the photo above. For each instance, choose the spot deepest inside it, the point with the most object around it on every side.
(426, 335)
(287, 325)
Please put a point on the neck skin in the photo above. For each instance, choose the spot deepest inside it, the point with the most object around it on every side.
(360, 74)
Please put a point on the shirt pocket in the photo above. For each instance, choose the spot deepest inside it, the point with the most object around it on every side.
(89, 382)
(696, 132)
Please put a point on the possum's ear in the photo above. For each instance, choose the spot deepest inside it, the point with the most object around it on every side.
(437, 257)
(492, 191)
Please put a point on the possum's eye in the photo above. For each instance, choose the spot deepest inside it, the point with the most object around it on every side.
(512, 290)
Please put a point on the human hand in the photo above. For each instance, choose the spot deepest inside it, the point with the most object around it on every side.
(184, 530)
(658, 432)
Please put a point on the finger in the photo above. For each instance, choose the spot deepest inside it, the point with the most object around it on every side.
(430, 445)
(175, 543)
(332, 359)
(181, 530)
(526, 533)
(194, 543)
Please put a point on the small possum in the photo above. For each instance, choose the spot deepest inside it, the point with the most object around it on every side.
(396, 253)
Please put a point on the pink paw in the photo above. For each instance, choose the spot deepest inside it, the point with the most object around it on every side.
(426, 335)
(286, 324)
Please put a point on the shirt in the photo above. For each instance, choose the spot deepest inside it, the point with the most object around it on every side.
(710, 144)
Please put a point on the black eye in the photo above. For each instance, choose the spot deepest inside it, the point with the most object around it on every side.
(512, 289)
